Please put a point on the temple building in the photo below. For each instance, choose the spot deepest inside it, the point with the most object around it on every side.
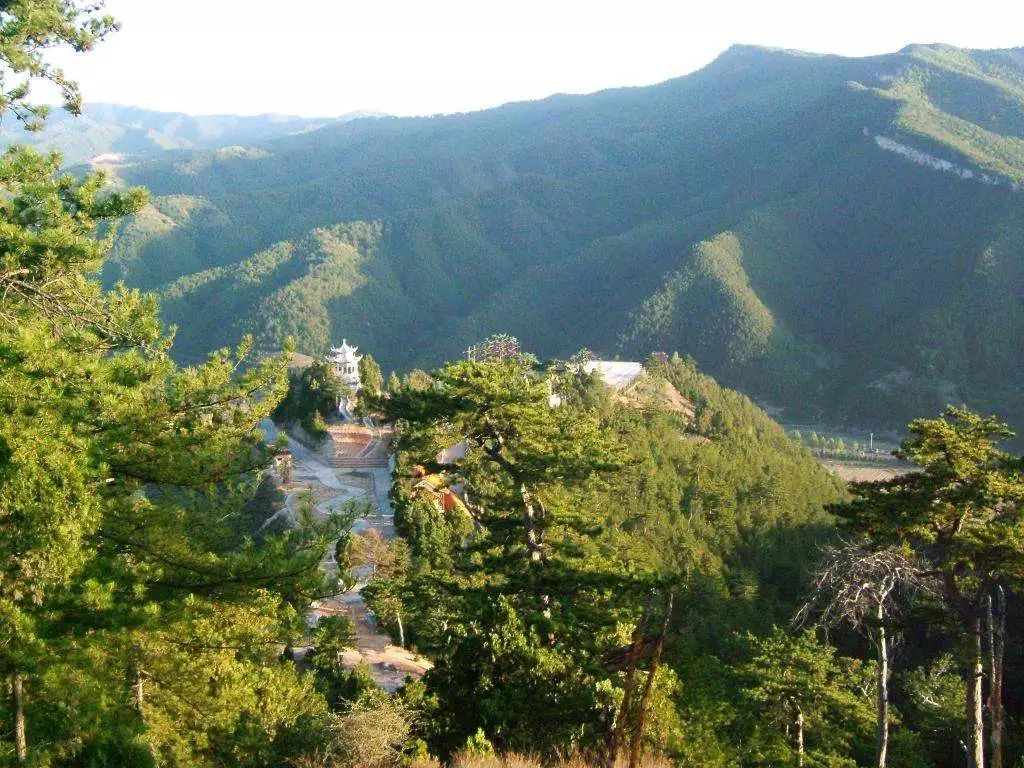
(346, 364)
(615, 373)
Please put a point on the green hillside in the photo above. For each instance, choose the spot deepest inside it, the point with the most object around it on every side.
(839, 237)
(706, 492)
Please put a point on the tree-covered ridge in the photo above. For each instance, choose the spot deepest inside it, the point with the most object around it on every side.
(573, 514)
(710, 309)
(972, 103)
(835, 209)
(678, 504)
(737, 487)
(290, 290)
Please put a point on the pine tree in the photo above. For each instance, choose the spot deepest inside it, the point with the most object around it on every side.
(519, 605)
(963, 515)
(808, 693)
(142, 611)
(866, 590)
(370, 375)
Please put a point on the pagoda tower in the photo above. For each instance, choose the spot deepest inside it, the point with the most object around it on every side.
(345, 362)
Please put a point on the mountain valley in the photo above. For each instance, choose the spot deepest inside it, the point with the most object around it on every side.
(833, 235)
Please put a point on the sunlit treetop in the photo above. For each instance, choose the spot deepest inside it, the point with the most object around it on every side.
(29, 29)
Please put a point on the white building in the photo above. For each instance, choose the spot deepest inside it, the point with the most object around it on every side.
(616, 374)
(346, 364)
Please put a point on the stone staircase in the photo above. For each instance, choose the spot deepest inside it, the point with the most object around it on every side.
(357, 446)
(358, 462)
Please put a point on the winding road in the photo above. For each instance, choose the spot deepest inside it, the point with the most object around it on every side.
(389, 664)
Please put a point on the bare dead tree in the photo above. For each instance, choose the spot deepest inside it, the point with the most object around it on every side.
(866, 589)
(996, 623)
(18, 708)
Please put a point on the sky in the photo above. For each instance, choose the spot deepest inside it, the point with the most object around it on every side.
(419, 57)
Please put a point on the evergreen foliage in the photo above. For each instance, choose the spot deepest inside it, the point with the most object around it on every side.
(962, 514)
(607, 572)
(577, 512)
(313, 394)
(818, 703)
(141, 618)
(370, 376)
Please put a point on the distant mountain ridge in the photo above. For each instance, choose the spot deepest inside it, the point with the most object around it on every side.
(841, 237)
(105, 129)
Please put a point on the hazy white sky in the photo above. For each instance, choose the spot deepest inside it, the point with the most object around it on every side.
(325, 57)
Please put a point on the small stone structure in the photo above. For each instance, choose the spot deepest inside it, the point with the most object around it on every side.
(283, 464)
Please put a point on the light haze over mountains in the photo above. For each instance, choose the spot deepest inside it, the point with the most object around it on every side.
(322, 57)
(116, 129)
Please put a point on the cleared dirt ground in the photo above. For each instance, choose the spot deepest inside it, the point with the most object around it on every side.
(866, 471)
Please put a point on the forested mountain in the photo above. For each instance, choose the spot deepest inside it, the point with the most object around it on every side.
(706, 482)
(657, 569)
(114, 128)
(837, 236)
(708, 512)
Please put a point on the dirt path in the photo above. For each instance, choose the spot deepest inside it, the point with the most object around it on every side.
(863, 471)
(333, 486)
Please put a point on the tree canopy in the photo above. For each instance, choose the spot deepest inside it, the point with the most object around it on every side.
(142, 610)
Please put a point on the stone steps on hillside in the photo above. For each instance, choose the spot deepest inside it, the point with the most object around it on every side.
(355, 462)
(357, 446)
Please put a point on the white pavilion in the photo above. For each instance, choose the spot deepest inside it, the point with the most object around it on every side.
(346, 364)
